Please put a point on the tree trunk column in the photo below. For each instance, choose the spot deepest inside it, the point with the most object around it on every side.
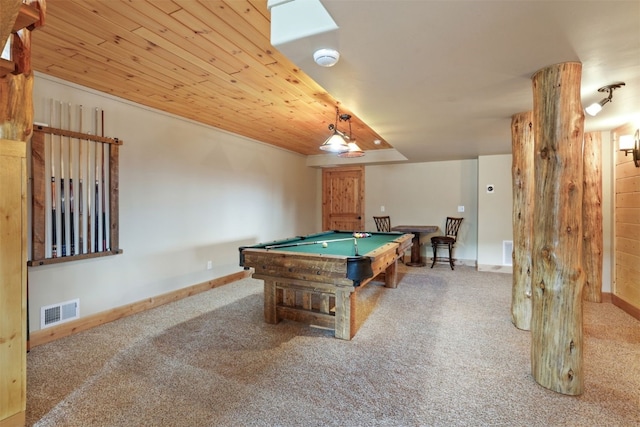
(592, 244)
(557, 280)
(16, 92)
(522, 172)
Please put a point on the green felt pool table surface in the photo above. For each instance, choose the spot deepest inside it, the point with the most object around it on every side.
(336, 245)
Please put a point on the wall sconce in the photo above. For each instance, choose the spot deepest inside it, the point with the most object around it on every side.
(631, 144)
(595, 108)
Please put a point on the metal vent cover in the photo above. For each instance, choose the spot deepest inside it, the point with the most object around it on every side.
(59, 313)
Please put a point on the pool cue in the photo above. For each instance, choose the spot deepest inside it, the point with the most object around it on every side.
(98, 147)
(72, 225)
(63, 225)
(355, 245)
(103, 148)
(88, 202)
(54, 233)
(315, 242)
(80, 189)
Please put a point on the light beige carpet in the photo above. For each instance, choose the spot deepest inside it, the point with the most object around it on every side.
(440, 350)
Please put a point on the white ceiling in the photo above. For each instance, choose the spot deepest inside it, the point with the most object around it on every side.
(440, 80)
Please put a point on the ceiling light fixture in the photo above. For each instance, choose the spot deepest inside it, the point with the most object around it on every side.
(354, 151)
(631, 144)
(326, 57)
(595, 108)
(335, 143)
(338, 141)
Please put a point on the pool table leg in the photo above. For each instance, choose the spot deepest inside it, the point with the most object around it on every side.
(391, 275)
(270, 302)
(343, 314)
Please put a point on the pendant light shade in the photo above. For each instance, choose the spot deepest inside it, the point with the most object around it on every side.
(339, 142)
(335, 143)
(354, 151)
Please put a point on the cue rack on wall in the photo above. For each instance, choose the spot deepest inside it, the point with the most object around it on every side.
(74, 179)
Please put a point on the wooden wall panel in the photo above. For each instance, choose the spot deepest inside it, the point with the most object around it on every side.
(630, 231)
(628, 184)
(629, 246)
(13, 286)
(627, 228)
(626, 286)
(629, 200)
(629, 215)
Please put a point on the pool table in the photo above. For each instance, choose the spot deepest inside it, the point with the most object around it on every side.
(308, 281)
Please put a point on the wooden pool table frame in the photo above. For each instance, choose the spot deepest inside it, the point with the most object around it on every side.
(313, 288)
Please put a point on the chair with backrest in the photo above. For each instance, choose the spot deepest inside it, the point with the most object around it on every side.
(449, 239)
(383, 223)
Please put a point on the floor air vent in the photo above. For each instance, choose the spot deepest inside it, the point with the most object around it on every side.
(507, 250)
(59, 313)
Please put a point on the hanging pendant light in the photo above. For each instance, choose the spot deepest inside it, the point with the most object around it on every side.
(341, 143)
(354, 151)
(337, 142)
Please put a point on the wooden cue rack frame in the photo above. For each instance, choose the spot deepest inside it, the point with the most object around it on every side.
(94, 229)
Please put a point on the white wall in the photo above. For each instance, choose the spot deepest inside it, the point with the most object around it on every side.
(494, 211)
(425, 194)
(188, 194)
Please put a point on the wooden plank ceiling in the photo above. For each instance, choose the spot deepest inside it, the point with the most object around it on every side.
(208, 60)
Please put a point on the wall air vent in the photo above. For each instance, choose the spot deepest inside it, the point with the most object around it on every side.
(59, 313)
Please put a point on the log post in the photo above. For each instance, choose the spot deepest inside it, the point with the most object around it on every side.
(557, 280)
(16, 89)
(592, 243)
(8, 13)
(16, 114)
(522, 173)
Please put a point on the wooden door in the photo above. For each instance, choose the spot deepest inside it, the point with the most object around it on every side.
(343, 198)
